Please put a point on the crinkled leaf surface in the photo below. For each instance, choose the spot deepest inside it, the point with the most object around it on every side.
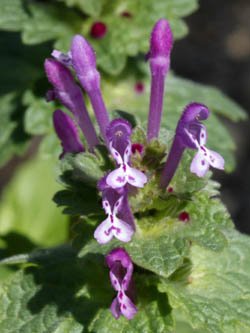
(216, 293)
(125, 36)
(80, 196)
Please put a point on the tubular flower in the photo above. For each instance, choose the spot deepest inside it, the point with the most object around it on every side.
(191, 133)
(125, 173)
(112, 225)
(70, 95)
(159, 54)
(121, 270)
(67, 132)
(82, 59)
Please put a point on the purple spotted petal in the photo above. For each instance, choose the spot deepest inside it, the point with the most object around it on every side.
(115, 308)
(215, 160)
(103, 234)
(116, 178)
(123, 231)
(199, 165)
(136, 177)
(106, 206)
(127, 308)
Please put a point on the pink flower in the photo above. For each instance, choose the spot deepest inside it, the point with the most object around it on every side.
(121, 269)
(125, 173)
(113, 226)
(205, 157)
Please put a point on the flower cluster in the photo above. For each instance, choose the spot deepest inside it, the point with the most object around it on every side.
(117, 184)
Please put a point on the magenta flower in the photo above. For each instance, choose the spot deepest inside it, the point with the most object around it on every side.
(191, 133)
(205, 157)
(67, 132)
(70, 95)
(119, 132)
(159, 54)
(82, 58)
(84, 63)
(121, 270)
(113, 226)
(125, 173)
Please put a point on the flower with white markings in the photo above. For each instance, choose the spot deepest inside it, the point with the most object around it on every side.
(121, 270)
(125, 173)
(113, 226)
(205, 157)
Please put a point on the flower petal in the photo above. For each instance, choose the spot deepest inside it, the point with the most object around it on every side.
(103, 233)
(117, 205)
(64, 59)
(127, 153)
(116, 178)
(136, 177)
(215, 160)
(122, 230)
(106, 207)
(203, 136)
(115, 154)
(199, 165)
(115, 308)
(127, 308)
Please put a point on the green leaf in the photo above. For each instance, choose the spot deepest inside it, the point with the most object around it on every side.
(13, 15)
(216, 295)
(92, 8)
(38, 115)
(80, 197)
(28, 63)
(13, 140)
(28, 217)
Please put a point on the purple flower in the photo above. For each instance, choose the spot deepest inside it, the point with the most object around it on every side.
(118, 135)
(84, 63)
(112, 225)
(205, 157)
(160, 48)
(121, 270)
(71, 96)
(67, 133)
(119, 132)
(82, 58)
(191, 133)
(124, 173)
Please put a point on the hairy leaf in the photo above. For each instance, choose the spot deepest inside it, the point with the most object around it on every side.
(216, 295)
